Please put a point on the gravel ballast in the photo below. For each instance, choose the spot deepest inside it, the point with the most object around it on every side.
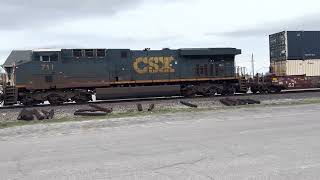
(65, 112)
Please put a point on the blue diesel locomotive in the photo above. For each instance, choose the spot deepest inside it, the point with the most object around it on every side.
(63, 75)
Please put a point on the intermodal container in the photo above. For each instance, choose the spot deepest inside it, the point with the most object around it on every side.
(309, 67)
(294, 45)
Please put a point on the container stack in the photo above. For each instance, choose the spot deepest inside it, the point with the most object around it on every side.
(295, 53)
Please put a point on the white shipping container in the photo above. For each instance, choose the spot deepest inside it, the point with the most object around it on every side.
(312, 67)
(278, 67)
(297, 67)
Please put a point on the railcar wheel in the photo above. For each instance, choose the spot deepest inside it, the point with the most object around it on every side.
(278, 90)
(253, 90)
(264, 91)
(274, 90)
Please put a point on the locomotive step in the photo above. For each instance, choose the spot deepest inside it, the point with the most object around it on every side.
(10, 95)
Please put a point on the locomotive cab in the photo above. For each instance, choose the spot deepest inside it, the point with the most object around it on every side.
(15, 59)
(10, 66)
(9, 76)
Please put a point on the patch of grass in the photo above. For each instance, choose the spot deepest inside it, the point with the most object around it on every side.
(155, 112)
(295, 102)
(16, 123)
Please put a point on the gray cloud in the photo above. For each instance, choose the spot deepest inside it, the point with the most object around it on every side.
(24, 14)
(310, 22)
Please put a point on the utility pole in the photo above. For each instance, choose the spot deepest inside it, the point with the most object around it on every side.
(252, 65)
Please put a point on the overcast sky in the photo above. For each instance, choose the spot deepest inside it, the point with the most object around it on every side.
(137, 24)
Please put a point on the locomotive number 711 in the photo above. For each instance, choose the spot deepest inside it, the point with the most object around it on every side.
(47, 67)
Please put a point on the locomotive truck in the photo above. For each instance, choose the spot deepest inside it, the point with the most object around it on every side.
(64, 75)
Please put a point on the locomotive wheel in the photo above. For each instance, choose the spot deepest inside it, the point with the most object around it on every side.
(83, 98)
(29, 103)
(188, 92)
(210, 92)
(228, 92)
(80, 101)
(220, 91)
(231, 91)
(28, 100)
(55, 99)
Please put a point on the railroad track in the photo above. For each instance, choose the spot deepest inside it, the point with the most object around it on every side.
(95, 102)
(113, 101)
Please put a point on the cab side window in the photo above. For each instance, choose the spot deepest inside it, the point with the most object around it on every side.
(47, 58)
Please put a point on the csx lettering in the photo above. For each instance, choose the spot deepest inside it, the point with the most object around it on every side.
(143, 65)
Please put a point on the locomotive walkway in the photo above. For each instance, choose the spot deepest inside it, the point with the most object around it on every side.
(257, 143)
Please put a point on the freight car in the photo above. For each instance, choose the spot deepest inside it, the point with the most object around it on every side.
(294, 62)
(295, 53)
(63, 75)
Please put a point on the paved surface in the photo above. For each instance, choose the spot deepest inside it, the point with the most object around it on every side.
(235, 144)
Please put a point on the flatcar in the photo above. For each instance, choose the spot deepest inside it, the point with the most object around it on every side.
(294, 62)
(64, 75)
